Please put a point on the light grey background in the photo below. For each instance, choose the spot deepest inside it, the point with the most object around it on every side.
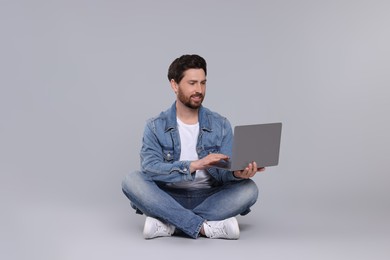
(80, 78)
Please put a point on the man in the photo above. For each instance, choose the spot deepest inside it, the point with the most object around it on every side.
(177, 188)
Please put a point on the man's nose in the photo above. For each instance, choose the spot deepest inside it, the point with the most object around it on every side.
(198, 87)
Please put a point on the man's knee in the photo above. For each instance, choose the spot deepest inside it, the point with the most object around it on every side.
(131, 182)
(250, 191)
(253, 187)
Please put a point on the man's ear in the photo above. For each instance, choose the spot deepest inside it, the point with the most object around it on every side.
(174, 86)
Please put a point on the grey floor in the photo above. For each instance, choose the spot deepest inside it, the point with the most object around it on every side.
(63, 230)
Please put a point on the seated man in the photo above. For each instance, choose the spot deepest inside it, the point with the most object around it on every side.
(176, 188)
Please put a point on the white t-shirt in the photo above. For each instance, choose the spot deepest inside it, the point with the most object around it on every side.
(188, 139)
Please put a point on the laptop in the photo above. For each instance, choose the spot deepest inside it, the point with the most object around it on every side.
(258, 143)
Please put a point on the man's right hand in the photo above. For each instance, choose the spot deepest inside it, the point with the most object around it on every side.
(207, 161)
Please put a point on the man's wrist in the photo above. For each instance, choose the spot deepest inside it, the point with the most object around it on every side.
(234, 175)
(193, 166)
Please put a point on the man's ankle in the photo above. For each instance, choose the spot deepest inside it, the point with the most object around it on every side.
(202, 230)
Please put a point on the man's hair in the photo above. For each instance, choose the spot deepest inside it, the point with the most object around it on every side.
(180, 65)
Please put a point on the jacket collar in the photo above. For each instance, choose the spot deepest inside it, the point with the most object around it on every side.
(204, 120)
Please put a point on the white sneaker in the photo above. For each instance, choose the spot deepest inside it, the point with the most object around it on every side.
(156, 228)
(227, 229)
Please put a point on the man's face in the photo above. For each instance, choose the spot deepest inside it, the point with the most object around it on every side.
(192, 88)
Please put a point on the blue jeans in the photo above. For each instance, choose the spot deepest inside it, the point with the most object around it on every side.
(187, 210)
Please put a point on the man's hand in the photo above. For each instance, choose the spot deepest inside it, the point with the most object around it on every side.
(249, 171)
(207, 161)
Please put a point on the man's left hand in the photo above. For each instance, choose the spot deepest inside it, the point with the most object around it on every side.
(249, 171)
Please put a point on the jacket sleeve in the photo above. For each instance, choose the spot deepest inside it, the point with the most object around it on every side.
(154, 164)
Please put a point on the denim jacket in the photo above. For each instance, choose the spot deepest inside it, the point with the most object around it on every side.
(160, 150)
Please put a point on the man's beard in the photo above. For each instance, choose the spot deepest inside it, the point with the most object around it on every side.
(187, 101)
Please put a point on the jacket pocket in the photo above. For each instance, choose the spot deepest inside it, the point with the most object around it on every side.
(168, 154)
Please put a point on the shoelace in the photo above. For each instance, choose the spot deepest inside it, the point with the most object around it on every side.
(218, 230)
(161, 229)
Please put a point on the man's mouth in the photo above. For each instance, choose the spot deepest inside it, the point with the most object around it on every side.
(197, 96)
